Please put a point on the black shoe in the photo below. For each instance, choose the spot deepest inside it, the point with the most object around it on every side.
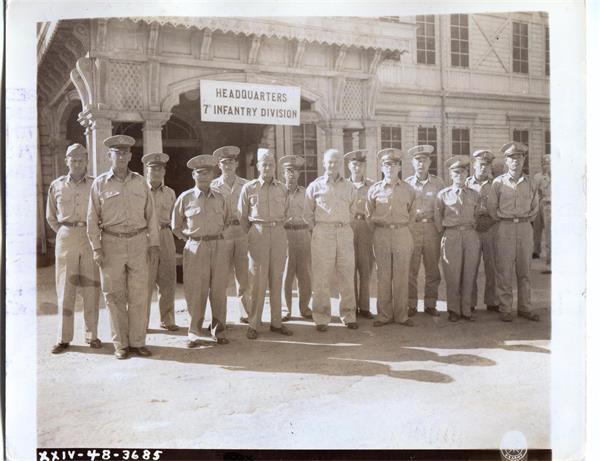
(408, 323)
(286, 318)
(141, 351)
(60, 348)
(251, 333)
(171, 327)
(453, 317)
(192, 343)
(493, 308)
(412, 311)
(244, 320)
(366, 314)
(307, 315)
(321, 327)
(506, 317)
(352, 325)
(122, 354)
(222, 341)
(281, 330)
(468, 318)
(431, 311)
(95, 343)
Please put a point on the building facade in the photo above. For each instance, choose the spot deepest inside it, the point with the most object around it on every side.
(458, 82)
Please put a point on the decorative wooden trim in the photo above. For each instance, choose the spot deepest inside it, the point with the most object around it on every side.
(254, 49)
(340, 58)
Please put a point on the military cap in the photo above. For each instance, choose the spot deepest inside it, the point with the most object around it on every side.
(227, 152)
(291, 161)
(119, 142)
(332, 153)
(357, 155)
(546, 158)
(457, 162)
(155, 159)
(483, 155)
(76, 150)
(202, 162)
(421, 150)
(514, 148)
(263, 154)
(389, 155)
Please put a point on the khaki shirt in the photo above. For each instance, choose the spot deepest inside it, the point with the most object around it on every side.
(296, 206)
(232, 194)
(164, 199)
(456, 206)
(483, 189)
(544, 187)
(426, 193)
(390, 203)
(121, 206)
(362, 188)
(262, 202)
(330, 200)
(68, 201)
(197, 214)
(513, 199)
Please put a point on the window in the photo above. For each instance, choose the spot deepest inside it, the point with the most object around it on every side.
(547, 51)
(304, 139)
(522, 136)
(426, 39)
(548, 145)
(391, 136)
(520, 48)
(428, 135)
(459, 40)
(460, 141)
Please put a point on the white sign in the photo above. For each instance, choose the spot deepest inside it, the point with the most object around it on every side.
(236, 102)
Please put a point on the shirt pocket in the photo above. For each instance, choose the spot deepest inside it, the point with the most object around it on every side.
(110, 201)
(65, 204)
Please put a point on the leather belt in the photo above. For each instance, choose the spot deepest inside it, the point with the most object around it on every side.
(207, 238)
(295, 226)
(74, 224)
(462, 227)
(165, 226)
(391, 226)
(360, 216)
(333, 224)
(515, 220)
(424, 220)
(233, 222)
(125, 235)
(266, 223)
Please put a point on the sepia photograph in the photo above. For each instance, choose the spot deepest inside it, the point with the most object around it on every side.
(282, 231)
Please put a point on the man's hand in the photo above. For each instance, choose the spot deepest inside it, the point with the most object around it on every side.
(99, 257)
(153, 253)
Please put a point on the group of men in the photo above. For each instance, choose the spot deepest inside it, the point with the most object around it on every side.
(116, 233)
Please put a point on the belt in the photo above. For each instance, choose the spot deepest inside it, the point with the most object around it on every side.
(233, 222)
(333, 224)
(424, 220)
(360, 216)
(165, 226)
(295, 226)
(463, 227)
(391, 226)
(74, 224)
(124, 234)
(516, 219)
(206, 238)
(266, 223)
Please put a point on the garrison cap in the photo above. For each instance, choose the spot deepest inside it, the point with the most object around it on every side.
(546, 158)
(263, 154)
(421, 150)
(157, 158)
(457, 162)
(389, 155)
(514, 148)
(291, 161)
(483, 155)
(357, 155)
(202, 162)
(227, 152)
(120, 142)
(76, 150)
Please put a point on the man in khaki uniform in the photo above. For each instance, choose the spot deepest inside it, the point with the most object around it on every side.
(455, 215)
(123, 230)
(329, 202)
(263, 208)
(363, 236)
(390, 210)
(481, 182)
(513, 201)
(164, 272)
(229, 184)
(426, 237)
(66, 211)
(298, 237)
(200, 216)
(544, 187)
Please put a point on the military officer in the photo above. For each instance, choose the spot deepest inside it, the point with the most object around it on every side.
(298, 237)
(390, 210)
(513, 200)
(123, 229)
(329, 201)
(263, 208)
(199, 217)
(66, 211)
(426, 237)
(455, 215)
(544, 187)
(481, 182)
(164, 272)
(363, 236)
(229, 184)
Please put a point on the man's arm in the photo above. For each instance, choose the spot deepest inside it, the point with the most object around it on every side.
(93, 218)
(151, 220)
(243, 208)
(438, 212)
(309, 206)
(493, 199)
(177, 220)
(51, 210)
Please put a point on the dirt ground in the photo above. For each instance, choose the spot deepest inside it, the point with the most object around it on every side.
(437, 385)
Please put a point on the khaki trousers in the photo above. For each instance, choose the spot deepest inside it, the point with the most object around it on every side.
(268, 249)
(124, 279)
(393, 250)
(75, 267)
(332, 250)
(205, 267)
(237, 250)
(546, 212)
(363, 258)
(488, 251)
(298, 267)
(426, 241)
(163, 273)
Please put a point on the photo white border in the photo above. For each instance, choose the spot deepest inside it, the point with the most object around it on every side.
(568, 111)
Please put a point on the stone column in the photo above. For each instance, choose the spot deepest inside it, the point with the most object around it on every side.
(152, 136)
(99, 129)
